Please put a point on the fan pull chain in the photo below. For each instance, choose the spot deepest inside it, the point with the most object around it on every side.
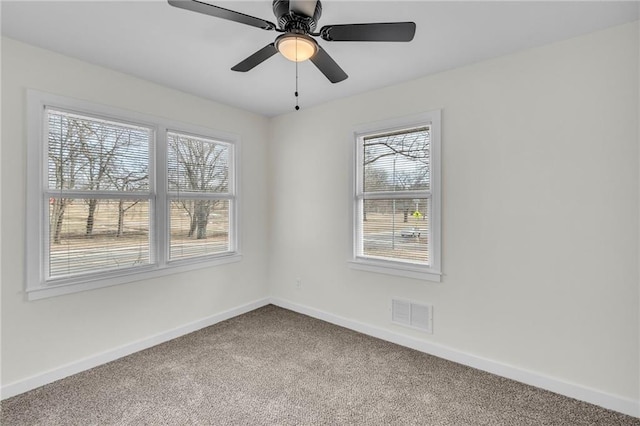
(297, 106)
(296, 93)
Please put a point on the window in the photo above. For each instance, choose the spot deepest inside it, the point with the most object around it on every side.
(115, 196)
(397, 197)
(98, 194)
(200, 197)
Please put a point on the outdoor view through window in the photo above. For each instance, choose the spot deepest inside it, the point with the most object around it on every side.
(198, 176)
(395, 198)
(104, 213)
(99, 194)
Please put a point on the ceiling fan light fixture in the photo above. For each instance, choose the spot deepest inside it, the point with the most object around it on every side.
(296, 47)
(297, 20)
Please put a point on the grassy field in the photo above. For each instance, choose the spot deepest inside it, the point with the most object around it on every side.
(81, 253)
(103, 249)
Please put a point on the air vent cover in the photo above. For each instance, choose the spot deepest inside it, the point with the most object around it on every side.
(414, 315)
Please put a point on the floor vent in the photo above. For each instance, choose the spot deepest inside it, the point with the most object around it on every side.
(412, 315)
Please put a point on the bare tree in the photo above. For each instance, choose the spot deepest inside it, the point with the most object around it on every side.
(410, 155)
(412, 145)
(124, 183)
(109, 164)
(375, 178)
(409, 181)
(98, 144)
(64, 166)
(201, 167)
(123, 177)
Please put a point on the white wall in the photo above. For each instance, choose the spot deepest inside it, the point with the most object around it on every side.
(540, 211)
(47, 334)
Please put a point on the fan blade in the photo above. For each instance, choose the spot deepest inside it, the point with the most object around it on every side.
(257, 58)
(303, 7)
(389, 31)
(220, 12)
(328, 66)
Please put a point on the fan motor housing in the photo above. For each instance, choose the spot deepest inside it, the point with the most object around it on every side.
(293, 22)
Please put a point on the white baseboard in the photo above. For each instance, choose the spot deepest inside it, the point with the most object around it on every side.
(612, 402)
(75, 367)
(592, 396)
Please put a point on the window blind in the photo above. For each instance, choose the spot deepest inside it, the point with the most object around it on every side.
(201, 196)
(98, 194)
(396, 161)
(395, 196)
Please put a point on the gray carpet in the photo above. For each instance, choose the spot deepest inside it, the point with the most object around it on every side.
(275, 367)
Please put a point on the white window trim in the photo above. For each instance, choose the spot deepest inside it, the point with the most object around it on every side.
(36, 286)
(430, 272)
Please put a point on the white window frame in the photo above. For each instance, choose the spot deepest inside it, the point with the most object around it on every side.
(359, 261)
(37, 286)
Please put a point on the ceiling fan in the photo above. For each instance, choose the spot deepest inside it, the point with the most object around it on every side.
(297, 20)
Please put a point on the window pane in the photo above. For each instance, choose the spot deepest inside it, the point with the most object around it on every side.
(397, 161)
(92, 154)
(396, 229)
(197, 164)
(88, 235)
(198, 228)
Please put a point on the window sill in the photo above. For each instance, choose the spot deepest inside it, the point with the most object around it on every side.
(115, 278)
(396, 268)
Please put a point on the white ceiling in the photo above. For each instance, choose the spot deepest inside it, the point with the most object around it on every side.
(194, 52)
